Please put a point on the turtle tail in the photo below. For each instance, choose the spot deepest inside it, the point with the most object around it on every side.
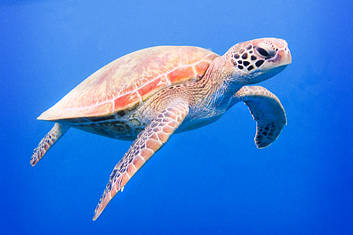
(48, 141)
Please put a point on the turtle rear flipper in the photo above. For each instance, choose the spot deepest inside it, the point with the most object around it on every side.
(266, 110)
(48, 141)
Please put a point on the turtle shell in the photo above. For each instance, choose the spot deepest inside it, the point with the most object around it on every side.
(130, 80)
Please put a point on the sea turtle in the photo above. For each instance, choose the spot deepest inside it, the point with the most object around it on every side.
(149, 94)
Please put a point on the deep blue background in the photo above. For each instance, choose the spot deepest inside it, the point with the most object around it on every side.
(212, 180)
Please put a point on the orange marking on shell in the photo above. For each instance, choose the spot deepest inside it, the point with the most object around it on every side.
(125, 101)
(201, 68)
(150, 87)
(138, 162)
(181, 74)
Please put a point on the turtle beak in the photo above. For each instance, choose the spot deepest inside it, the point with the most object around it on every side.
(283, 56)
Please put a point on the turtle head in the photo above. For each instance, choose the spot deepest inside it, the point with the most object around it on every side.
(257, 60)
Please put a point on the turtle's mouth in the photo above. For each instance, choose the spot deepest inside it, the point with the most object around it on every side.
(275, 59)
(283, 57)
(259, 75)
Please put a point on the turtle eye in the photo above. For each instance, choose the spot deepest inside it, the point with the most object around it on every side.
(262, 51)
(265, 53)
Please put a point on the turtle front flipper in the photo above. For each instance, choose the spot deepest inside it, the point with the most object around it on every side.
(148, 142)
(48, 141)
(266, 110)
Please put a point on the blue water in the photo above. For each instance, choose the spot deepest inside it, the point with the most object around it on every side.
(209, 181)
